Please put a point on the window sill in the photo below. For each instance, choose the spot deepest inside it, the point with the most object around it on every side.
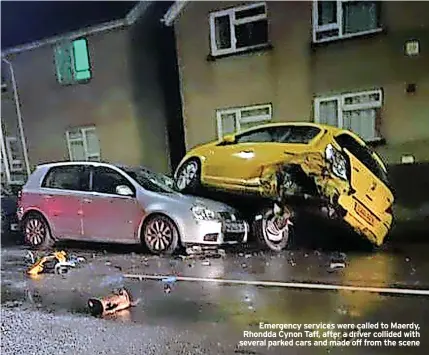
(376, 142)
(358, 35)
(264, 47)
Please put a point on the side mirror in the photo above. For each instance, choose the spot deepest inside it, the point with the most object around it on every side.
(124, 190)
(229, 138)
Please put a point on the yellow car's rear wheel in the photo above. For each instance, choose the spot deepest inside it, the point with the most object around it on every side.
(189, 176)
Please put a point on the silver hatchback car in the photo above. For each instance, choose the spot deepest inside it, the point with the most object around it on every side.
(101, 202)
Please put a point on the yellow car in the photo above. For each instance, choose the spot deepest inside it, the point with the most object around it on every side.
(310, 160)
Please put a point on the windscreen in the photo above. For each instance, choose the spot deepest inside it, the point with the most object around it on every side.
(152, 181)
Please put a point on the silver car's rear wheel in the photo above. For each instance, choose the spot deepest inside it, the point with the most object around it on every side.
(160, 235)
(36, 231)
(188, 177)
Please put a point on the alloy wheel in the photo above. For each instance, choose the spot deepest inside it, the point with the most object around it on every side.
(35, 231)
(187, 174)
(159, 235)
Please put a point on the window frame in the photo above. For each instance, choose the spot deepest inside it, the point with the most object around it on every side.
(230, 12)
(125, 176)
(337, 25)
(70, 45)
(58, 167)
(342, 106)
(83, 131)
(238, 111)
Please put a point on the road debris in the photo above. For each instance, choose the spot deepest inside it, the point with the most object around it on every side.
(57, 262)
(30, 256)
(247, 256)
(205, 263)
(47, 263)
(119, 300)
(168, 282)
(335, 266)
(221, 252)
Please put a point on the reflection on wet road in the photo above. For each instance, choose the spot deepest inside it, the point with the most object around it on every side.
(228, 310)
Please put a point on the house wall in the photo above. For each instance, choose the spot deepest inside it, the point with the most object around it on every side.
(292, 73)
(130, 127)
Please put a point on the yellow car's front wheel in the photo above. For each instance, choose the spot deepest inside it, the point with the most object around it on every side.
(188, 177)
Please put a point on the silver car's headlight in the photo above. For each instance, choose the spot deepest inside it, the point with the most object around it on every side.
(203, 213)
(337, 160)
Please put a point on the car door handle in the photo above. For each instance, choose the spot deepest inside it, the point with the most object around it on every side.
(247, 151)
(48, 197)
(87, 200)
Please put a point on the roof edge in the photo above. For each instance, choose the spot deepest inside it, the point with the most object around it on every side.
(132, 16)
(67, 36)
(173, 12)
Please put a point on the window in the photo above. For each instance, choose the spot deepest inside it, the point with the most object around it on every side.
(83, 144)
(106, 180)
(287, 134)
(340, 19)
(13, 150)
(72, 61)
(358, 112)
(68, 177)
(364, 154)
(233, 120)
(238, 29)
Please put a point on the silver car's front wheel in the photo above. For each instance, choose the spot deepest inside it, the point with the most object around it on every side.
(160, 235)
(271, 231)
(188, 177)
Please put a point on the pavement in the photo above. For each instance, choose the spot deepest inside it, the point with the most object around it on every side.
(48, 314)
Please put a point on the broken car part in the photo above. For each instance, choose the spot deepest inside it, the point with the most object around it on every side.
(117, 301)
(47, 263)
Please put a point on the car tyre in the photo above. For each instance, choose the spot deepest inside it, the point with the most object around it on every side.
(160, 235)
(188, 177)
(36, 231)
(262, 234)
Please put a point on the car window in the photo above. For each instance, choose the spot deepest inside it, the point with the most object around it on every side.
(105, 180)
(295, 134)
(280, 134)
(364, 154)
(262, 135)
(67, 177)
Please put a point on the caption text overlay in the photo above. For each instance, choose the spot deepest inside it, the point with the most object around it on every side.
(379, 334)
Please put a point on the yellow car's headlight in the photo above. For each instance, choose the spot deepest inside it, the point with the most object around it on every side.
(337, 160)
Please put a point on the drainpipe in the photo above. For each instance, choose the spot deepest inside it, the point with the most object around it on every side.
(4, 156)
(18, 113)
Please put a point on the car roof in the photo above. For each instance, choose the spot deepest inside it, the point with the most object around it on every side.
(93, 163)
(296, 123)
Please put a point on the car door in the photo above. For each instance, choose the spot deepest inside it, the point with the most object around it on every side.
(108, 216)
(235, 161)
(62, 192)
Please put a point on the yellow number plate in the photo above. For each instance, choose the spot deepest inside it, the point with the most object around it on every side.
(364, 213)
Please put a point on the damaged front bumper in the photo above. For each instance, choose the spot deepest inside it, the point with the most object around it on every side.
(308, 177)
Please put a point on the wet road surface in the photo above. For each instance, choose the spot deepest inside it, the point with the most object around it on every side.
(209, 318)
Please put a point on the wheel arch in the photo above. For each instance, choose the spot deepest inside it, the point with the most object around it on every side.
(155, 213)
(35, 210)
